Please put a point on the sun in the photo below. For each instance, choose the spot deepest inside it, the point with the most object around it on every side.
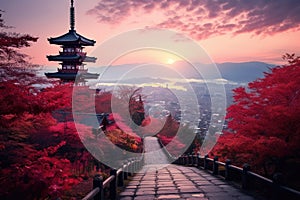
(170, 61)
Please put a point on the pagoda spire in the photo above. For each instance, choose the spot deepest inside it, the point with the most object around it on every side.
(72, 16)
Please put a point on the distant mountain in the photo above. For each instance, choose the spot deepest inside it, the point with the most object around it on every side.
(236, 72)
(243, 72)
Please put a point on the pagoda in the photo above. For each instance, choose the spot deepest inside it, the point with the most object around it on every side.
(72, 57)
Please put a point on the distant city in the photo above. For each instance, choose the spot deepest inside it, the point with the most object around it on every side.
(160, 100)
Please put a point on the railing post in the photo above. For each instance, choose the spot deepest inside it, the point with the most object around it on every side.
(205, 162)
(186, 160)
(197, 160)
(132, 167)
(277, 182)
(135, 164)
(215, 166)
(113, 184)
(98, 182)
(125, 170)
(245, 178)
(227, 173)
(181, 160)
(121, 178)
(129, 167)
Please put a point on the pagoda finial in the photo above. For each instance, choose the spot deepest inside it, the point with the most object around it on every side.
(72, 16)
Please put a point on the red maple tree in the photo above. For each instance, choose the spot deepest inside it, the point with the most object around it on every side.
(264, 122)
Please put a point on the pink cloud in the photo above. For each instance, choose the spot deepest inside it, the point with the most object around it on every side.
(206, 18)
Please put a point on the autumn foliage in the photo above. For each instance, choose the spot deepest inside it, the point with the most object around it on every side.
(264, 122)
(41, 151)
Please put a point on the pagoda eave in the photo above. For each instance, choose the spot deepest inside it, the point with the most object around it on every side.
(70, 58)
(65, 76)
(71, 76)
(64, 57)
(70, 43)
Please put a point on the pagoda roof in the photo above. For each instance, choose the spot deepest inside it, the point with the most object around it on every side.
(72, 57)
(72, 38)
(72, 76)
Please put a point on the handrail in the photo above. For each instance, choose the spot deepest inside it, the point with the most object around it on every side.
(220, 163)
(235, 168)
(267, 180)
(291, 190)
(108, 181)
(115, 179)
(92, 194)
(246, 176)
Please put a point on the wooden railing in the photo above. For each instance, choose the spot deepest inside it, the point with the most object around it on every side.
(248, 180)
(115, 180)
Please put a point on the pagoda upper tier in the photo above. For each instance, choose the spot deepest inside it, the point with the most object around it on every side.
(72, 38)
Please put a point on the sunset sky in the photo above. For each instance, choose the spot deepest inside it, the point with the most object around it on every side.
(228, 30)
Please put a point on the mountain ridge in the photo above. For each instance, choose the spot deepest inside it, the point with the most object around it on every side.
(240, 72)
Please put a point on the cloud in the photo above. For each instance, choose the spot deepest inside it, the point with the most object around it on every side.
(202, 19)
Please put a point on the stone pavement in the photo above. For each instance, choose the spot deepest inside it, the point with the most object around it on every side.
(154, 154)
(180, 182)
(158, 180)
